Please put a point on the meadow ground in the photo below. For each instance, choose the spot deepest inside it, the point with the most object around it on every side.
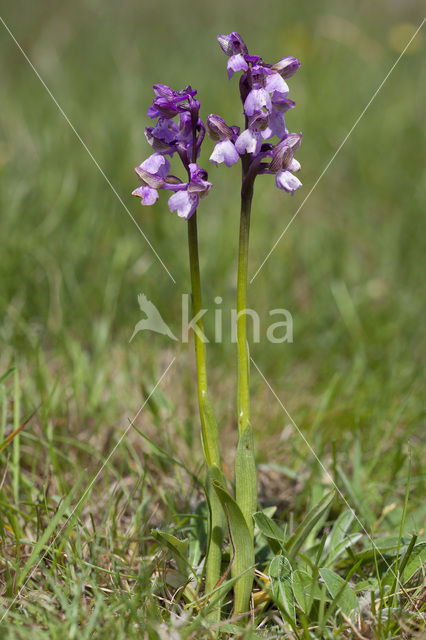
(340, 404)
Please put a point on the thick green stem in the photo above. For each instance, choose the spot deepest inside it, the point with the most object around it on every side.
(209, 431)
(245, 468)
(194, 265)
(243, 352)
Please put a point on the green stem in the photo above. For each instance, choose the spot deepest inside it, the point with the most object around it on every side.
(243, 353)
(245, 468)
(200, 350)
(209, 431)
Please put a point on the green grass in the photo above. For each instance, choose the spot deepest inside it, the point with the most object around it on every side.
(81, 563)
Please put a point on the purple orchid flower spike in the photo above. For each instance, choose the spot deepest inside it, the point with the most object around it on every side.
(168, 137)
(264, 94)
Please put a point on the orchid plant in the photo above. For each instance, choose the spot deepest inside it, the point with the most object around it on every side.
(264, 146)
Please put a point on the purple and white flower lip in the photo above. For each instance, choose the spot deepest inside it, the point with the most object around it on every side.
(236, 63)
(147, 195)
(225, 151)
(185, 202)
(283, 163)
(224, 136)
(287, 181)
(166, 138)
(249, 141)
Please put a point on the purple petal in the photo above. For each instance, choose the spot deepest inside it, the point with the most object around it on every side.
(185, 127)
(287, 181)
(196, 174)
(163, 136)
(163, 91)
(226, 152)
(276, 85)
(236, 63)
(166, 130)
(258, 76)
(165, 108)
(184, 203)
(252, 59)
(249, 141)
(256, 99)
(147, 194)
(276, 126)
(157, 165)
(198, 183)
(153, 112)
(282, 104)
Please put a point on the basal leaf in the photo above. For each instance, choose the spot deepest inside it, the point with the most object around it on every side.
(243, 564)
(216, 532)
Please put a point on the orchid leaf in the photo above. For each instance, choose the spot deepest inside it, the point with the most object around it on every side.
(243, 563)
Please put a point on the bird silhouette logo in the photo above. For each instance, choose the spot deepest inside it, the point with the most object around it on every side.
(153, 320)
